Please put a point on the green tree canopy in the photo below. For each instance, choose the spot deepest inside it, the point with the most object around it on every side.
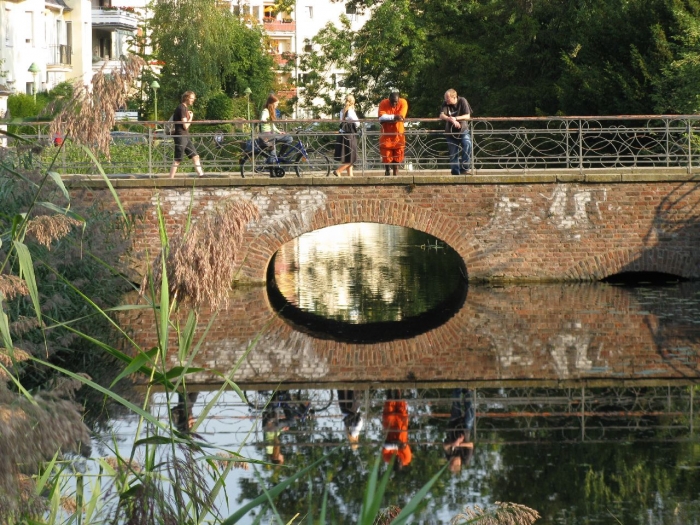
(208, 50)
(521, 57)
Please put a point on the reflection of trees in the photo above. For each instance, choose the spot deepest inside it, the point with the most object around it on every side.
(379, 273)
(521, 455)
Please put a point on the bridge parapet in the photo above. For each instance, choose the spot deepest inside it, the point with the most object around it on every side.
(512, 144)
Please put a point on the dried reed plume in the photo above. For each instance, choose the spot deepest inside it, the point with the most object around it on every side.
(30, 434)
(387, 515)
(11, 285)
(48, 228)
(503, 514)
(89, 115)
(7, 360)
(201, 262)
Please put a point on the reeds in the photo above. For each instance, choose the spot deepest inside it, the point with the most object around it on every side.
(89, 115)
(201, 261)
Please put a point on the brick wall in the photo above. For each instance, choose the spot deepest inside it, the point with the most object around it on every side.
(505, 228)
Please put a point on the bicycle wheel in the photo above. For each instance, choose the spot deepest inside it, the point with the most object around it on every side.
(258, 399)
(320, 399)
(316, 164)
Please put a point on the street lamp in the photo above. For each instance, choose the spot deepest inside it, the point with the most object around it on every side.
(247, 96)
(34, 70)
(154, 86)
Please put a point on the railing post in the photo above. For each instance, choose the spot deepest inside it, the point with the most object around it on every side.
(473, 152)
(567, 123)
(150, 152)
(363, 149)
(668, 151)
(690, 146)
(580, 145)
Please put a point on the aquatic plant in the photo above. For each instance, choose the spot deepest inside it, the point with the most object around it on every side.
(501, 514)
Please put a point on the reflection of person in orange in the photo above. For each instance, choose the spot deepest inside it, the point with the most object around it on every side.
(395, 424)
(392, 142)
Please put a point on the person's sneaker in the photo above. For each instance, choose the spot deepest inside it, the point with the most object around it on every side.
(387, 172)
(454, 172)
(463, 172)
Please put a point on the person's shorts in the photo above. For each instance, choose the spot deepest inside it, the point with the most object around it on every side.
(184, 146)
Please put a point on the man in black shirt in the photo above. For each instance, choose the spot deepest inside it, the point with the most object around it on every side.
(456, 113)
(183, 145)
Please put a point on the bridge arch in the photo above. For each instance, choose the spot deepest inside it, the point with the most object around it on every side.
(255, 262)
(600, 266)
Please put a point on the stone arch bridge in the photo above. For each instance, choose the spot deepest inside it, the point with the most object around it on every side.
(564, 225)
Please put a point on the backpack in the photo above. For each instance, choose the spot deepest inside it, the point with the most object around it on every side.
(169, 126)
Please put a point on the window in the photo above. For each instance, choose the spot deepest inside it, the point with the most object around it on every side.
(308, 48)
(9, 33)
(309, 10)
(30, 88)
(29, 18)
(350, 9)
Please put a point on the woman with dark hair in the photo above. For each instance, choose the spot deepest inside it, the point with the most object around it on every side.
(182, 118)
(268, 130)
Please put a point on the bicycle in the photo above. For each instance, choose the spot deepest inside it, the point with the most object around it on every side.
(300, 403)
(298, 156)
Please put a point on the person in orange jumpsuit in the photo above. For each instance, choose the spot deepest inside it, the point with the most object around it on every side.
(392, 142)
(395, 424)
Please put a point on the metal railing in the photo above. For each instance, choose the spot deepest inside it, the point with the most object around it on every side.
(513, 144)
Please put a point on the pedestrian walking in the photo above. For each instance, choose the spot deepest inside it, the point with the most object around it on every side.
(346, 145)
(182, 118)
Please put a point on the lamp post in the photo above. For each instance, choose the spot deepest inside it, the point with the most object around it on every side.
(247, 96)
(154, 86)
(34, 69)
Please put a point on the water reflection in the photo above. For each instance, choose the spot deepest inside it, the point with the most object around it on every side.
(560, 333)
(574, 454)
(348, 279)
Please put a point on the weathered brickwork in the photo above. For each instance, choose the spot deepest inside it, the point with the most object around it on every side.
(578, 333)
(505, 228)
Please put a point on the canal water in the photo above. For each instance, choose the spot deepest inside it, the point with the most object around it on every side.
(580, 401)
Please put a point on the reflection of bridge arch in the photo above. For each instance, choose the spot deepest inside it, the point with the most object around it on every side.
(600, 266)
(347, 211)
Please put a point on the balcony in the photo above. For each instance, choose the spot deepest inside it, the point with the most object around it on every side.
(272, 25)
(114, 18)
(60, 55)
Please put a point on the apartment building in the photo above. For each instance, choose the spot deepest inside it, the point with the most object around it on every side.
(45, 42)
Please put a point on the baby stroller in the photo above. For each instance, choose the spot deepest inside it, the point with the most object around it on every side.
(264, 151)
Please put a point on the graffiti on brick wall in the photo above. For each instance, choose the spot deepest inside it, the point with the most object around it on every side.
(277, 207)
(569, 208)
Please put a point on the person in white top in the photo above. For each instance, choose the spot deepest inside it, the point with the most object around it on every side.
(268, 131)
(346, 145)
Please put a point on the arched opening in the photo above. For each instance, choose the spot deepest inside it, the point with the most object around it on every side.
(643, 278)
(366, 282)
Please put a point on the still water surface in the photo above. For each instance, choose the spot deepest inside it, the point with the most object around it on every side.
(584, 398)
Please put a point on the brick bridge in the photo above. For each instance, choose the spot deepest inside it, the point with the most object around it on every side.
(566, 225)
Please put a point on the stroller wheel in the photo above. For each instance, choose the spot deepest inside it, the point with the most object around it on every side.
(279, 172)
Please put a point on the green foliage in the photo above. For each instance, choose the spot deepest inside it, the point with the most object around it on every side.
(220, 107)
(512, 58)
(21, 106)
(215, 52)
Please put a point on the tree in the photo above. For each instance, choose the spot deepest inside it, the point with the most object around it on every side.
(523, 57)
(206, 49)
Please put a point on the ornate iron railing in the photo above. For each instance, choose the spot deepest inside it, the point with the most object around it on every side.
(513, 144)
